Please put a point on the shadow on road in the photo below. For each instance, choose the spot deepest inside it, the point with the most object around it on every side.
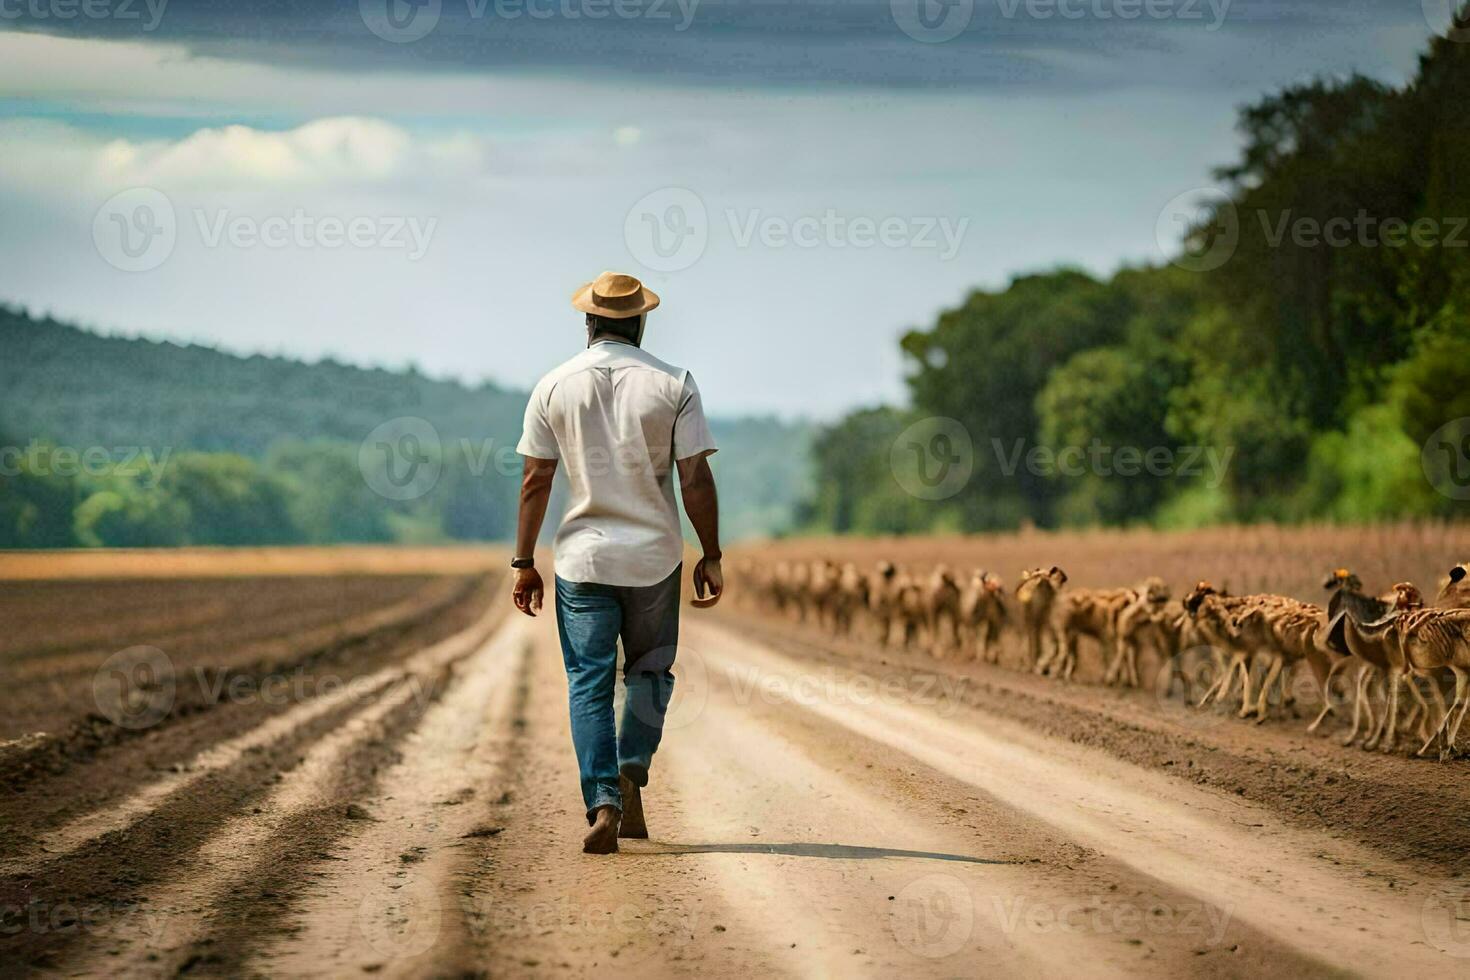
(848, 852)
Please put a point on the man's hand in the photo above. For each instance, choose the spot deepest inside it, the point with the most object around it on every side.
(528, 591)
(708, 577)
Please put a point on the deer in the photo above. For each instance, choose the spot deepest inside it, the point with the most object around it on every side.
(941, 596)
(1085, 612)
(1139, 617)
(1428, 640)
(1037, 594)
(883, 599)
(1177, 641)
(1292, 629)
(983, 614)
(1363, 648)
(1226, 622)
(911, 608)
(822, 590)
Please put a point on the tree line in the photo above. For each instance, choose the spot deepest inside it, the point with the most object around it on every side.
(123, 442)
(1313, 335)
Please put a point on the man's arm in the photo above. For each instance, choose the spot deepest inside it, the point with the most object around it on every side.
(528, 591)
(701, 503)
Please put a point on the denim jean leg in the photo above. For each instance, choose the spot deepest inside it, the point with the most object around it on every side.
(588, 620)
(650, 640)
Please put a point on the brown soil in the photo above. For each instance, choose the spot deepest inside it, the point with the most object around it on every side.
(817, 808)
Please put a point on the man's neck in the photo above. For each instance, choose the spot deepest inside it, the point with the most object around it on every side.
(603, 338)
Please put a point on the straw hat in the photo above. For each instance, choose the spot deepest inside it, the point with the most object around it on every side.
(616, 295)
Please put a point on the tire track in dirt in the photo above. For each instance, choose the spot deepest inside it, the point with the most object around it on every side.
(201, 683)
(122, 814)
(536, 906)
(782, 847)
(1328, 898)
(173, 935)
(1406, 809)
(390, 902)
(1043, 904)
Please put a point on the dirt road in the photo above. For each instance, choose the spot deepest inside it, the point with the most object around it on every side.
(813, 813)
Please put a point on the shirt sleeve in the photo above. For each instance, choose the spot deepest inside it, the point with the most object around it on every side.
(537, 438)
(691, 429)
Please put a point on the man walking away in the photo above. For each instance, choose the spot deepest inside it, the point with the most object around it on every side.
(620, 422)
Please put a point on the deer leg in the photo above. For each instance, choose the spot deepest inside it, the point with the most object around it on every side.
(1462, 684)
(1377, 682)
(1222, 671)
(1327, 705)
(1390, 723)
(1437, 696)
(1247, 670)
(1326, 709)
(1361, 707)
(1443, 729)
(1272, 673)
(1116, 648)
(1419, 711)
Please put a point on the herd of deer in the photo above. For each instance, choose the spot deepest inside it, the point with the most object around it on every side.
(1373, 646)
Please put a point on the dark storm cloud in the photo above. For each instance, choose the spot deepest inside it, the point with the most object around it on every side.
(746, 42)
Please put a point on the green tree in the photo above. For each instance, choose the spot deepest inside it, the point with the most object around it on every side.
(35, 504)
(984, 363)
(230, 501)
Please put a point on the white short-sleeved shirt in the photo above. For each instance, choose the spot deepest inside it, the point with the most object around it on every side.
(616, 418)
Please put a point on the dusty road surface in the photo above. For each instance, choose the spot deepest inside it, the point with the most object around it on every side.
(815, 811)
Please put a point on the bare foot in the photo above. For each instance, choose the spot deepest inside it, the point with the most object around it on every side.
(603, 837)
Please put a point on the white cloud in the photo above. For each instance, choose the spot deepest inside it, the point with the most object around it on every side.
(336, 151)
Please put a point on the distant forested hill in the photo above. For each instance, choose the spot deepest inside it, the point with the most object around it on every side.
(286, 436)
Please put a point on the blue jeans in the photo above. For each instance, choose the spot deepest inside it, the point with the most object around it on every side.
(590, 618)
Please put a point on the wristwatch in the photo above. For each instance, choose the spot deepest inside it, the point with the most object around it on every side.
(523, 563)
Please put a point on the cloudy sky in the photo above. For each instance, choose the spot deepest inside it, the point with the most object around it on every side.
(390, 181)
